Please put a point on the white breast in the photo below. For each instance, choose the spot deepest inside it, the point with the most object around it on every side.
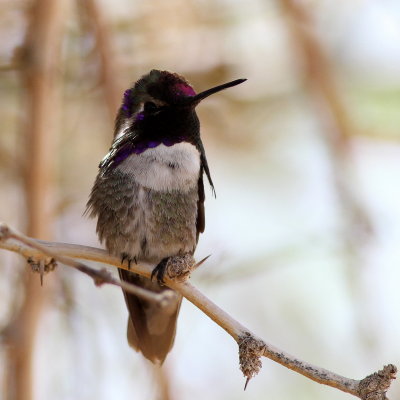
(165, 168)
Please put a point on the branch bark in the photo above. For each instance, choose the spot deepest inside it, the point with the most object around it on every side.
(251, 347)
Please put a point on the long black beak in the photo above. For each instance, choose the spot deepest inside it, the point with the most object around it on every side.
(201, 96)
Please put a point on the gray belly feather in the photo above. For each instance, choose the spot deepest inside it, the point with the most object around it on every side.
(144, 223)
(146, 208)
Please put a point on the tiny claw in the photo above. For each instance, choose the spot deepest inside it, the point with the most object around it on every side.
(127, 257)
(159, 271)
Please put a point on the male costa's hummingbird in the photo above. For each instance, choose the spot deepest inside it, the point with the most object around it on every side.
(148, 196)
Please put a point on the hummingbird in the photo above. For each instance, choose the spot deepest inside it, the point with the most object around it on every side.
(149, 196)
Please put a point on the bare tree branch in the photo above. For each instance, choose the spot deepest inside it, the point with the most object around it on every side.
(38, 59)
(251, 348)
(99, 276)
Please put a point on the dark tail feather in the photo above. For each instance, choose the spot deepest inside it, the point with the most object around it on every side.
(151, 328)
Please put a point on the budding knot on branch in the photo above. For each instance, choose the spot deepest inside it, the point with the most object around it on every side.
(250, 352)
(375, 386)
(179, 268)
(4, 231)
(102, 276)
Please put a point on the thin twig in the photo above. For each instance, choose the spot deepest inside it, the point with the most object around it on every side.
(99, 276)
(251, 348)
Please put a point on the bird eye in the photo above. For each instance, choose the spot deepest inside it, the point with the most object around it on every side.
(150, 107)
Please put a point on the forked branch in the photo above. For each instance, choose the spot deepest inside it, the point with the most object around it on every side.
(251, 348)
(35, 250)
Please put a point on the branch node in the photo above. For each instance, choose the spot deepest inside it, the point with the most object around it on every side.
(179, 268)
(166, 298)
(48, 265)
(102, 276)
(250, 352)
(4, 231)
(375, 386)
(42, 265)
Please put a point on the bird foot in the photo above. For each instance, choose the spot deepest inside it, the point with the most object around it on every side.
(160, 270)
(128, 258)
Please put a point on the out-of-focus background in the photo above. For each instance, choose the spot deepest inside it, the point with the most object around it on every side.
(305, 156)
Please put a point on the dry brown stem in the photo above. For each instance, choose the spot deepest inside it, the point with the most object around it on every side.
(251, 347)
(38, 61)
(99, 276)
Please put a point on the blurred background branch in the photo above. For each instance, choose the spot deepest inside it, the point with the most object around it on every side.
(39, 69)
(336, 122)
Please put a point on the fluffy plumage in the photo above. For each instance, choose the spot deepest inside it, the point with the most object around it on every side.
(148, 196)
